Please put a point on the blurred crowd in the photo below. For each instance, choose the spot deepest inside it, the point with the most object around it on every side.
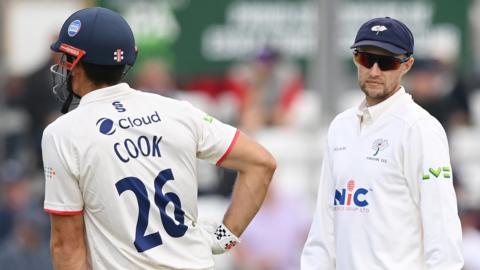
(265, 96)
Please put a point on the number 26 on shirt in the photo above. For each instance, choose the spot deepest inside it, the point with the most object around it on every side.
(145, 242)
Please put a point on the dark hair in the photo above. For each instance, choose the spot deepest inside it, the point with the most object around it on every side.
(101, 74)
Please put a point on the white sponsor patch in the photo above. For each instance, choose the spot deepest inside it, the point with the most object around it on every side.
(74, 28)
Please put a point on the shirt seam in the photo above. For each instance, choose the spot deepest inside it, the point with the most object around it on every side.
(98, 99)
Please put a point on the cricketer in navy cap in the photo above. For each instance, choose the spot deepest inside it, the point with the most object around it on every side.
(387, 33)
(399, 222)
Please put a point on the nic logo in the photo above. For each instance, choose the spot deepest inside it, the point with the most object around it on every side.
(105, 126)
(350, 196)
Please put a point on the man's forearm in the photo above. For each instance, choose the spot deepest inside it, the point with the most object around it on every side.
(247, 197)
(69, 257)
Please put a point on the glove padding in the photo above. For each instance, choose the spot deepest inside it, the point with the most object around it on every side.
(220, 238)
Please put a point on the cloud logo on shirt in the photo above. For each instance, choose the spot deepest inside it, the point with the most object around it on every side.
(105, 126)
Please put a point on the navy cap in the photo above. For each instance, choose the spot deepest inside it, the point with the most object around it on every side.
(386, 33)
(103, 34)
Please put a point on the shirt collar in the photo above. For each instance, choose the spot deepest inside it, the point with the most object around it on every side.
(372, 113)
(106, 93)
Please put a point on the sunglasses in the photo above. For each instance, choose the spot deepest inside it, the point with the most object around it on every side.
(384, 62)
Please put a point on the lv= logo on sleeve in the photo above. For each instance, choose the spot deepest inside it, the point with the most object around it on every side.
(440, 172)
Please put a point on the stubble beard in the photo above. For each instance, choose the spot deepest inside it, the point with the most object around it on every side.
(376, 94)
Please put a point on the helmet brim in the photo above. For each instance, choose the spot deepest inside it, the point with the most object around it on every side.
(55, 46)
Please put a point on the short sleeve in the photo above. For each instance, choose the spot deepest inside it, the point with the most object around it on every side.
(62, 192)
(215, 138)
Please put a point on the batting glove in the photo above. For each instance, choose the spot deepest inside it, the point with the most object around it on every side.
(220, 238)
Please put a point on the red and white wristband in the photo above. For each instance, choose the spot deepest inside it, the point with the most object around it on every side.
(225, 238)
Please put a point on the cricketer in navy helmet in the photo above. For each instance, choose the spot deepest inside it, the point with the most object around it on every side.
(385, 199)
(120, 168)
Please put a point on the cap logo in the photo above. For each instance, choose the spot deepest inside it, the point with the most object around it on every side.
(118, 55)
(379, 28)
(74, 28)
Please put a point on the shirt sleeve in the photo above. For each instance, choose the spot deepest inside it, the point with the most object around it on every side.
(62, 192)
(215, 138)
(319, 250)
(429, 173)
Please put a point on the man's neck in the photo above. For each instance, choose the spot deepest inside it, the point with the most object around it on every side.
(89, 87)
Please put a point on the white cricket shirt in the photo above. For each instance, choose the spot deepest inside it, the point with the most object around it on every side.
(126, 159)
(386, 199)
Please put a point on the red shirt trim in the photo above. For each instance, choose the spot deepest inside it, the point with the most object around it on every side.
(219, 162)
(63, 213)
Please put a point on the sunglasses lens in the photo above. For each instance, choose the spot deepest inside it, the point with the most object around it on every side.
(388, 63)
(384, 62)
(363, 59)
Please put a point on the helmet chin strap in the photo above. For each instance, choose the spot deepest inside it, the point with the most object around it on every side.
(66, 104)
(71, 94)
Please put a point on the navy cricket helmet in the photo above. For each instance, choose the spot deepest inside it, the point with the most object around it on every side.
(98, 36)
(93, 35)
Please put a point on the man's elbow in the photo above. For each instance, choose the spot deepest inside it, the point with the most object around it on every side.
(268, 164)
(60, 248)
(271, 164)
